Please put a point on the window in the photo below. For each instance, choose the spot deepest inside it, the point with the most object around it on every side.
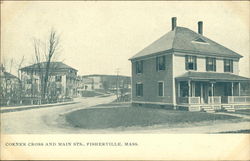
(160, 89)
(228, 65)
(58, 78)
(191, 63)
(210, 64)
(160, 63)
(139, 66)
(139, 89)
(200, 41)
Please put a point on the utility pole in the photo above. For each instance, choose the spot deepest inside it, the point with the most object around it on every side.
(117, 82)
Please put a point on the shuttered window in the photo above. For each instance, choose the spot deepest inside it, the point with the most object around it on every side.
(228, 65)
(58, 78)
(210, 64)
(160, 89)
(139, 66)
(191, 62)
(160, 63)
(139, 89)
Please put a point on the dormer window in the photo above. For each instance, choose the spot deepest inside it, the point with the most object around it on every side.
(160, 63)
(191, 63)
(139, 66)
(228, 65)
(200, 40)
(211, 64)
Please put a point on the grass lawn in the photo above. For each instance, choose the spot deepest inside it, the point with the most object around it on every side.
(106, 117)
(244, 112)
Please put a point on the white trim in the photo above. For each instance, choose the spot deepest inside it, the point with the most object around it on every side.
(198, 42)
(183, 54)
(154, 55)
(158, 103)
(163, 87)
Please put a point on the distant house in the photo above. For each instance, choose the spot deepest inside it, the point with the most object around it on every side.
(62, 80)
(107, 82)
(84, 85)
(185, 69)
(9, 87)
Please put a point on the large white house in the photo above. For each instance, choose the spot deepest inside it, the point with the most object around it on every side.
(186, 70)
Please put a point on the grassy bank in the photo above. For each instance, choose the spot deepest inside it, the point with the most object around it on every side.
(112, 117)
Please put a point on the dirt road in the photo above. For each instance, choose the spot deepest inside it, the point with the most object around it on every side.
(45, 120)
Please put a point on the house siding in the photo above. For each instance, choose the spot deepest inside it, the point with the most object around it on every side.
(150, 78)
(220, 65)
(179, 65)
(236, 67)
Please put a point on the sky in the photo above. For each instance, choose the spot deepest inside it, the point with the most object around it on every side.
(99, 37)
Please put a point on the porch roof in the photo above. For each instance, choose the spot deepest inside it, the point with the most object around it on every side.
(209, 76)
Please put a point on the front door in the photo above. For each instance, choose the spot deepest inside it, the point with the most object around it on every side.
(227, 89)
(205, 92)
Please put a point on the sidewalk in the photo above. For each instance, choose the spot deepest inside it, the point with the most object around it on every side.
(26, 107)
(234, 114)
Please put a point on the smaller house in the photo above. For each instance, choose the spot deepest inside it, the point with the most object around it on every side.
(62, 80)
(110, 83)
(9, 87)
(84, 85)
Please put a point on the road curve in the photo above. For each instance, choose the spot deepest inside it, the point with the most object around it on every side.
(45, 120)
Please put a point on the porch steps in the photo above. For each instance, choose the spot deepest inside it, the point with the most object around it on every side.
(208, 109)
(229, 108)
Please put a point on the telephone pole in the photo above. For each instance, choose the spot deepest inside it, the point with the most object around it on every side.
(117, 82)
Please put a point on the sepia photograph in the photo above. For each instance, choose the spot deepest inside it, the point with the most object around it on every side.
(124, 68)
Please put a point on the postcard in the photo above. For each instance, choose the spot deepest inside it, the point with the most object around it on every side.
(125, 80)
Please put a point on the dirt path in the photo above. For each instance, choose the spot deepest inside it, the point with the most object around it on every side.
(44, 120)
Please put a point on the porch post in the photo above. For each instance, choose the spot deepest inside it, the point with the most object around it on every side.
(201, 93)
(193, 89)
(239, 88)
(232, 89)
(212, 92)
(189, 88)
(179, 90)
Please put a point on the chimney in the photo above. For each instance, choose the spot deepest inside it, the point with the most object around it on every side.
(200, 27)
(173, 23)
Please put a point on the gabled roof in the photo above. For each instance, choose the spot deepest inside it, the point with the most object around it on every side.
(8, 75)
(182, 39)
(54, 65)
(211, 76)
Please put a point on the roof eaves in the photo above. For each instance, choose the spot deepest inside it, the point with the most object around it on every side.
(206, 53)
(151, 55)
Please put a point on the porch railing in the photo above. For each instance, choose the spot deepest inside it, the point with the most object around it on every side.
(190, 100)
(214, 99)
(183, 100)
(194, 100)
(238, 99)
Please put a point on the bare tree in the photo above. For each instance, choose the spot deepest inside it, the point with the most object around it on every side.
(19, 66)
(44, 53)
(53, 44)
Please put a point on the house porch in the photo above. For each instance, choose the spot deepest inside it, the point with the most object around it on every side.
(211, 95)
